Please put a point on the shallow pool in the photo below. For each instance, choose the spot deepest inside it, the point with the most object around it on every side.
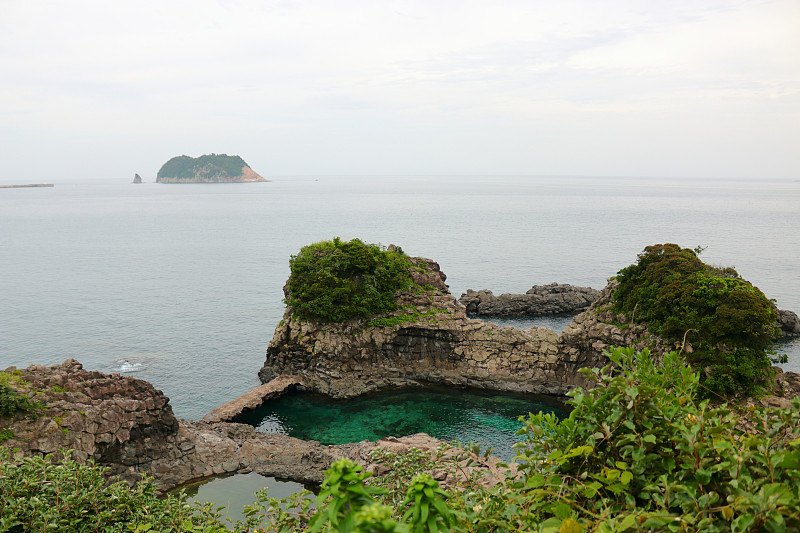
(236, 491)
(449, 414)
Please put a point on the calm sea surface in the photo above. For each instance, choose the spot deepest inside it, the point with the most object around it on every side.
(181, 285)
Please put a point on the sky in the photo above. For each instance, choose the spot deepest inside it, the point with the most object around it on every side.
(638, 88)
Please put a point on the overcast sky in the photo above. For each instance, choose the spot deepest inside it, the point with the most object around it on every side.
(697, 88)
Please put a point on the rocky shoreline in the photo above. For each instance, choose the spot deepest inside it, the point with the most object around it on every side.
(127, 425)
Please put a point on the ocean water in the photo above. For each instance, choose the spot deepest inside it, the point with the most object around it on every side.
(181, 285)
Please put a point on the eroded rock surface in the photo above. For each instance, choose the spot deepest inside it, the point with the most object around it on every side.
(789, 323)
(429, 339)
(552, 299)
(127, 425)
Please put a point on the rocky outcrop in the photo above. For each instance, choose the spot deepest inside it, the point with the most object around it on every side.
(432, 341)
(137, 178)
(127, 425)
(428, 340)
(118, 421)
(789, 323)
(552, 299)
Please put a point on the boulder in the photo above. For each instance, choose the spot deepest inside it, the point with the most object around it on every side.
(789, 323)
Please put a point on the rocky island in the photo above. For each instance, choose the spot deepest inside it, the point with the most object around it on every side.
(211, 168)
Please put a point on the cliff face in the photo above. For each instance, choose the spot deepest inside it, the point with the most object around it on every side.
(213, 168)
(115, 420)
(127, 425)
(438, 344)
(429, 340)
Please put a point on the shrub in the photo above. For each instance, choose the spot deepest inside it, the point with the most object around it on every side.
(729, 322)
(640, 452)
(336, 281)
(12, 402)
(39, 494)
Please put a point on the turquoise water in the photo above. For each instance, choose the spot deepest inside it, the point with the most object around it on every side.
(450, 415)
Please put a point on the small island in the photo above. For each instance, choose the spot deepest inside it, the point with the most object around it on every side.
(137, 178)
(211, 168)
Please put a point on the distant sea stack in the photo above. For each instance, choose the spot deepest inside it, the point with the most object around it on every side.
(212, 168)
(137, 178)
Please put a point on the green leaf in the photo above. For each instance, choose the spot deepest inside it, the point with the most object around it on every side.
(702, 476)
(570, 526)
(742, 523)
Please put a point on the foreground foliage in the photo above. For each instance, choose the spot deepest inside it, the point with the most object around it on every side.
(639, 452)
(335, 280)
(729, 322)
(41, 494)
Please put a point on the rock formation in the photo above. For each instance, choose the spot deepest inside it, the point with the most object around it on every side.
(126, 424)
(212, 168)
(789, 323)
(428, 340)
(137, 178)
(552, 299)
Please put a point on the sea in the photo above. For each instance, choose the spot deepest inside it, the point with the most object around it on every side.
(182, 285)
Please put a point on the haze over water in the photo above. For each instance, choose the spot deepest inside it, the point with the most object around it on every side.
(181, 285)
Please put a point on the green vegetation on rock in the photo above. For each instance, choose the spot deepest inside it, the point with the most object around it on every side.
(206, 168)
(336, 281)
(729, 323)
(11, 401)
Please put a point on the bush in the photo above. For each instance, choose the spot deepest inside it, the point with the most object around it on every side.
(12, 402)
(336, 281)
(729, 322)
(640, 452)
(39, 494)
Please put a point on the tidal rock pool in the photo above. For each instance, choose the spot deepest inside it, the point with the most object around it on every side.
(236, 491)
(489, 418)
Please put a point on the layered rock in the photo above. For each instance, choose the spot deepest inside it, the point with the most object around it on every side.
(127, 425)
(552, 299)
(429, 339)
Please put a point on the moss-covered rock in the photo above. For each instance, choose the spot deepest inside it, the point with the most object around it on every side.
(729, 323)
